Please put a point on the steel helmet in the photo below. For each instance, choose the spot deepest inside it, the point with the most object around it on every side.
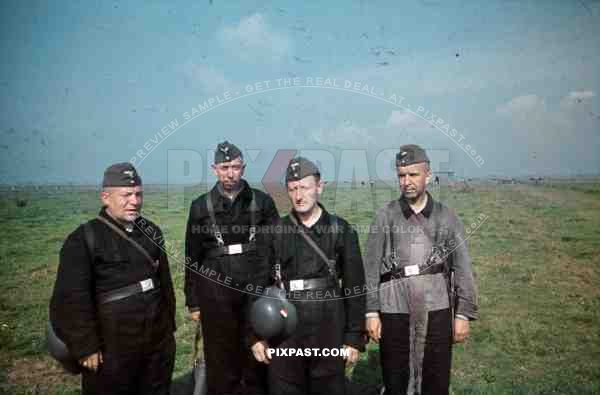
(266, 317)
(272, 315)
(291, 319)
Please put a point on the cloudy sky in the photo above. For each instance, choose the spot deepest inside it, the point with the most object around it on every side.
(490, 88)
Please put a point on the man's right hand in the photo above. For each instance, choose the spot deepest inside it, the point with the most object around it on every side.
(374, 328)
(259, 350)
(92, 362)
(195, 316)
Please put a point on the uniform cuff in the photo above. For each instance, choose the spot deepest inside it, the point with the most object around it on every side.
(85, 351)
(354, 339)
(467, 309)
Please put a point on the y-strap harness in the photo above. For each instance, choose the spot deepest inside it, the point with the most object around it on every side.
(231, 249)
(434, 264)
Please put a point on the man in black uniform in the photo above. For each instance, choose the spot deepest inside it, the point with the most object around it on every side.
(225, 253)
(113, 303)
(328, 317)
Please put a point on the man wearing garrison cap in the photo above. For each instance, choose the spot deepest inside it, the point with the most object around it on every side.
(427, 294)
(222, 239)
(327, 288)
(113, 303)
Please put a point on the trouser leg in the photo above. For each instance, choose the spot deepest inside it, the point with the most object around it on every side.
(158, 368)
(116, 375)
(327, 385)
(438, 354)
(254, 374)
(306, 375)
(89, 385)
(221, 334)
(281, 386)
(394, 351)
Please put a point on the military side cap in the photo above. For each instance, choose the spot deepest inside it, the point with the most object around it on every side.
(410, 154)
(121, 175)
(299, 168)
(227, 152)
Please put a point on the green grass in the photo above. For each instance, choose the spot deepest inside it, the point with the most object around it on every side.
(535, 255)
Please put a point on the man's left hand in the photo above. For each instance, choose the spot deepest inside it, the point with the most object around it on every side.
(260, 350)
(352, 356)
(461, 330)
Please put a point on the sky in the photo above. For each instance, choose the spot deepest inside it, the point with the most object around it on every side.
(494, 88)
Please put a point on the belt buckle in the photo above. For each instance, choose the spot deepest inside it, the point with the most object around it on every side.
(147, 285)
(297, 285)
(412, 270)
(234, 249)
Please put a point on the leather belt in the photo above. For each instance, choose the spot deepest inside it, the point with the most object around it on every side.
(146, 285)
(311, 283)
(232, 249)
(410, 271)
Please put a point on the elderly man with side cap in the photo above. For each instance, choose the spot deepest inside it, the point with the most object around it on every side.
(113, 303)
(314, 253)
(427, 294)
(224, 255)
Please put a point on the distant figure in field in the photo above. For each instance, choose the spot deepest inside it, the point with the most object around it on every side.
(427, 294)
(113, 303)
(437, 180)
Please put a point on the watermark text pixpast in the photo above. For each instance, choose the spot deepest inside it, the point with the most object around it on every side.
(308, 352)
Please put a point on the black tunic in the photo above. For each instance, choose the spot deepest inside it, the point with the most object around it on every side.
(327, 318)
(221, 297)
(134, 334)
(233, 219)
(299, 261)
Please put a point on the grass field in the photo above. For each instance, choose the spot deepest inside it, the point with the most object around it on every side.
(535, 250)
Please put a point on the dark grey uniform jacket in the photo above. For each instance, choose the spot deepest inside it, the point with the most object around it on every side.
(412, 236)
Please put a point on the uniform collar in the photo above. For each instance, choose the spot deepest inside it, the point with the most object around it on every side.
(127, 229)
(408, 211)
(243, 193)
(320, 225)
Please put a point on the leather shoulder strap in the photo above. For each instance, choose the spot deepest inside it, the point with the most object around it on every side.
(141, 249)
(211, 212)
(88, 236)
(253, 207)
(330, 263)
(210, 208)
(334, 229)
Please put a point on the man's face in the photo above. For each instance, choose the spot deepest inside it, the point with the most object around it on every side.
(123, 203)
(413, 179)
(229, 173)
(304, 194)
